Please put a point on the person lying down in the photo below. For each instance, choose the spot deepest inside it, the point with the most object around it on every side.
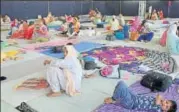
(65, 75)
(129, 100)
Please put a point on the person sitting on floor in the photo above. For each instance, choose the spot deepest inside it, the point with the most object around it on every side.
(154, 15)
(172, 41)
(114, 24)
(2, 21)
(49, 18)
(22, 30)
(74, 28)
(129, 100)
(121, 20)
(98, 16)
(92, 13)
(65, 75)
(40, 33)
(161, 14)
(64, 28)
(14, 27)
(30, 30)
(69, 19)
(145, 33)
(7, 19)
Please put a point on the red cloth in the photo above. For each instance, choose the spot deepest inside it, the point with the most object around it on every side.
(161, 14)
(30, 32)
(13, 24)
(20, 33)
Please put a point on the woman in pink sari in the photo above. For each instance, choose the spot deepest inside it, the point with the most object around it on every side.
(40, 33)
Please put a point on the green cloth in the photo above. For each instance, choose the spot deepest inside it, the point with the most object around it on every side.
(4, 44)
(55, 23)
(108, 19)
(40, 39)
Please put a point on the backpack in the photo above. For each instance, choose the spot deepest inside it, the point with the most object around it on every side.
(156, 81)
(90, 65)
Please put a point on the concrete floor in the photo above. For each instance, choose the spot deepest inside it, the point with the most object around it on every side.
(94, 90)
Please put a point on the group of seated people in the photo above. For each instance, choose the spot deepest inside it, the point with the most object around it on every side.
(139, 31)
(156, 15)
(34, 30)
(71, 26)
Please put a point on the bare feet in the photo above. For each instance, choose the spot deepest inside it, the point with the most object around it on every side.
(54, 94)
(108, 100)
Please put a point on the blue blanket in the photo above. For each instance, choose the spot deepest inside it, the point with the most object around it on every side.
(80, 47)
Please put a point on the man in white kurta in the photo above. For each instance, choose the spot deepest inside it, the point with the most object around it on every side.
(59, 79)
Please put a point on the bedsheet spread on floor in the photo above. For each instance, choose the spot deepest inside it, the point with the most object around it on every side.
(130, 58)
(39, 47)
(80, 47)
(171, 94)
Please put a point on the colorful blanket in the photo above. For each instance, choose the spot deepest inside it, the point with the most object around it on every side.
(127, 57)
(172, 94)
(130, 58)
(159, 61)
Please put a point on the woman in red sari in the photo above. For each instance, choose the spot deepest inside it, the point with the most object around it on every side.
(161, 14)
(30, 31)
(20, 33)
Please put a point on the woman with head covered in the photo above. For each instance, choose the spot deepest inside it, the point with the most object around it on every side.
(65, 75)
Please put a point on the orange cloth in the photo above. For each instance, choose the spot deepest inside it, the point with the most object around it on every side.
(134, 36)
(77, 27)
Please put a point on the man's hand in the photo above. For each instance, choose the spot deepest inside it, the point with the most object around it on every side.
(108, 100)
(47, 62)
(158, 99)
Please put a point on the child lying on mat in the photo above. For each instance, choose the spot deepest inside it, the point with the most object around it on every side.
(129, 100)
